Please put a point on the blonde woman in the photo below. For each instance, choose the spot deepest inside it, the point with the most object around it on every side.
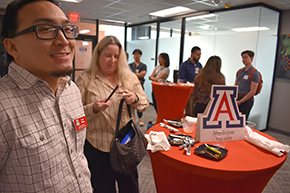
(108, 69)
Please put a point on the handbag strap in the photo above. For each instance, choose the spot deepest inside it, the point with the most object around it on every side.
(120, 114)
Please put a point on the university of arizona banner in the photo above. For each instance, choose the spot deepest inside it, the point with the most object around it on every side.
(221, 117)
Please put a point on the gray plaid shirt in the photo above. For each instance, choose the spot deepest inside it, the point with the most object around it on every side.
(40, 150)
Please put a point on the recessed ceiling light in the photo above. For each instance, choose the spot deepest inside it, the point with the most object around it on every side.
(200, 17)
(73, 1)
(246, 29)
(172, 11)
(113, 21)
(84, 31)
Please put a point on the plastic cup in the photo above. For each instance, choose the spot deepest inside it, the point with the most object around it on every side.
(251, 124)
(180, 81)
(220, 140)
(187, 126)
(161, 81)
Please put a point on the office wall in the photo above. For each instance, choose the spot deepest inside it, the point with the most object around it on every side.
(171, 46)
(280, 108)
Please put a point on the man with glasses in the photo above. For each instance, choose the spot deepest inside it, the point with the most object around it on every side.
(42, 122)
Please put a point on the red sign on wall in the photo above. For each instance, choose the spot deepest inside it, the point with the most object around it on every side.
(75, 17)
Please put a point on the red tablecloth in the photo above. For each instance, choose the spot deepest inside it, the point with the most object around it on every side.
(246, 168)
(171, 100)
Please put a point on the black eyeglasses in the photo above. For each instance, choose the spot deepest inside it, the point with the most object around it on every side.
(50, 31)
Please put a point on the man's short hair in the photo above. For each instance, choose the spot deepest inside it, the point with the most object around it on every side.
(138, 51)
(249, 52)
(10, 23)
(194, 49)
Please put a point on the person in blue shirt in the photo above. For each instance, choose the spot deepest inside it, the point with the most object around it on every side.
(187, 72)
(247, 88)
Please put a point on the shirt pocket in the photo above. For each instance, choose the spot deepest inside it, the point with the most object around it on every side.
(36, 139)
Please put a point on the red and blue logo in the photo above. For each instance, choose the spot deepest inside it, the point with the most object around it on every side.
(222, 110)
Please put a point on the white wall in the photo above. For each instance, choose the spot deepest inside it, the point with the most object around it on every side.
(280, 108)
(148, 57)
(171, 46)
(265, 63)
(206, 44)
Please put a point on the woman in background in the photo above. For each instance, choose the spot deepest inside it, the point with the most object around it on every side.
(208, 76)
(160, 72)
(108, 69)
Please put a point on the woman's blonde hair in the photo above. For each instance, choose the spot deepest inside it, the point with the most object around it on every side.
(123, 72)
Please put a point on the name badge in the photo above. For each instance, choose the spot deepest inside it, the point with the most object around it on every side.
(80, 123)
(196, 70)
(246, 77)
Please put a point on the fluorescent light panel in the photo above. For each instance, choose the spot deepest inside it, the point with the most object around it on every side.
(205, 27)
(73, 1)
(143, 37)
(200, 17)
(84, 31)
(246, 29)
(171, 11)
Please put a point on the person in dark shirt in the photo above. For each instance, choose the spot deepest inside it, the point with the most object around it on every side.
(140, 70)
(187, 72)
(247, 88)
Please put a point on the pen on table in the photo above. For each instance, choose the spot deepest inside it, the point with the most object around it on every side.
(212, 149)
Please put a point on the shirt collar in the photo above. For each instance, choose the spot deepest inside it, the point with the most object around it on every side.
(24, 79)
(102, 78)
(248, 69)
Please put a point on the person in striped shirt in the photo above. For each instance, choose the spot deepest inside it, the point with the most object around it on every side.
(108, 69)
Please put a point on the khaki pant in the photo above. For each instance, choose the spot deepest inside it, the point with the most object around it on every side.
(189, 109)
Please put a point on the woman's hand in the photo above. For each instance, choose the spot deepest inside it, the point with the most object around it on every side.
(101, 105)
(130, 97)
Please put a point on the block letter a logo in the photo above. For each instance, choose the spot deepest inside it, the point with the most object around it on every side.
(222, 111)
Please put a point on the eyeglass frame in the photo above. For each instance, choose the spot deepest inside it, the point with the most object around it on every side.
(34, 27)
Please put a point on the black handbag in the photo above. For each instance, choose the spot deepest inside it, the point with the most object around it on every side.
(125, 157)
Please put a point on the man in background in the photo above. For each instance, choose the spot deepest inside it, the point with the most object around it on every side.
(247, 87)
(42, 122)
(187, 72)
(140, 70)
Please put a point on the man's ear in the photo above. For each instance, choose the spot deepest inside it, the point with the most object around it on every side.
(11, 47)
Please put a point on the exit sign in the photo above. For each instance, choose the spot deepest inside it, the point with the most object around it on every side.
(75, 17)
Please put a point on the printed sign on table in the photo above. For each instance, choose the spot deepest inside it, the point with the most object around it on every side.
(221, 117)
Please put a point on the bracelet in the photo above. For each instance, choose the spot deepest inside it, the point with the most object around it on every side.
(137, 98)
